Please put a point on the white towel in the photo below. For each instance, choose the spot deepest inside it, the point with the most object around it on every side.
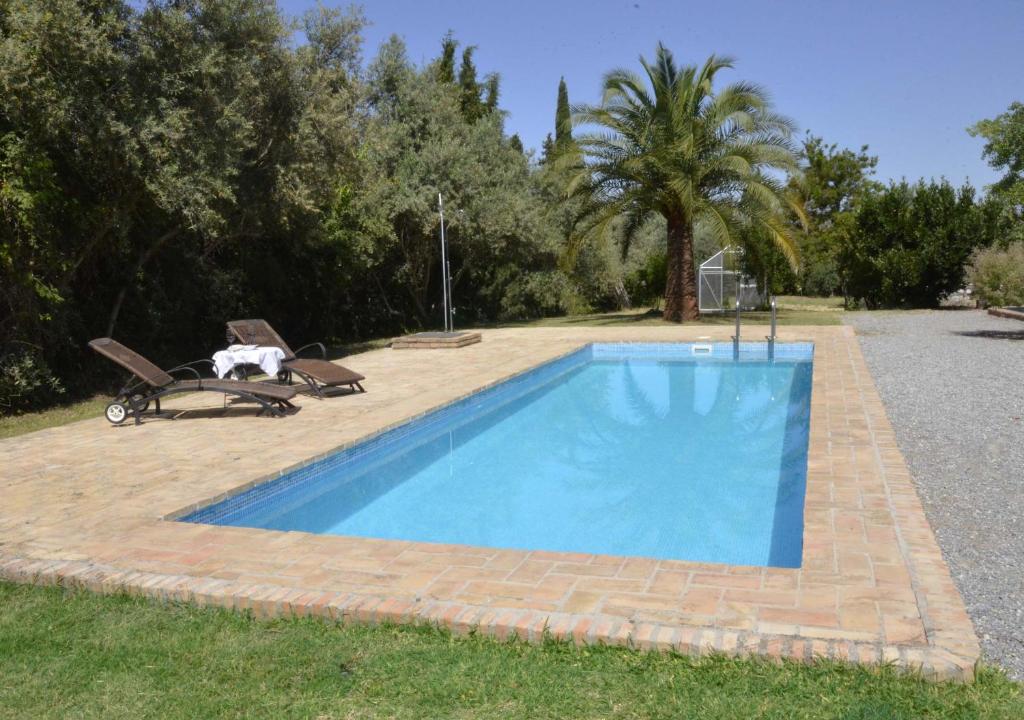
(268, 358)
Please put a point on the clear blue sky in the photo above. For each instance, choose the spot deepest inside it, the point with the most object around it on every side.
(905, 78)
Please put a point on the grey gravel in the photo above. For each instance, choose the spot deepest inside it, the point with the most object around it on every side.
(953, 385)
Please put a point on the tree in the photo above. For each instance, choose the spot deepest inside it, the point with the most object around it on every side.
(831, 182)
(446, 63)
(594, 271)
(833, 178)
(420, 143)
(165, 124)
(469, 99)
(163, 165)
(563, 117)
(1004, 150)
(492, 91)
(476, 99)
(547, 149)
(693, 156)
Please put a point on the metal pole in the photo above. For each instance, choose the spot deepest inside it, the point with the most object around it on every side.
(736, 337)
(771, 338)
(451, 303)
(444, 262)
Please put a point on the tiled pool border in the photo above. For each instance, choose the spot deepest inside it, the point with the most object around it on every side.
(222, 511)
(859, 491)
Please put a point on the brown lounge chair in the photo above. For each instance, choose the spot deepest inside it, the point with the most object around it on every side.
(154, 383)
(318, 373)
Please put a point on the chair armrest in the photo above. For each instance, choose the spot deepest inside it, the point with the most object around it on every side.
(188, 366)
(185, 367)
(323, 350)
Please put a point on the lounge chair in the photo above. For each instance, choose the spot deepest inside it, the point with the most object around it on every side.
(155, 383)
(318, 373)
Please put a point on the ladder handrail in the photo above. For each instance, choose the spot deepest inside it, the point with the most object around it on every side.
(736, 337)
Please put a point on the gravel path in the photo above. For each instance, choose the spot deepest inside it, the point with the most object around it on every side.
(953, 385)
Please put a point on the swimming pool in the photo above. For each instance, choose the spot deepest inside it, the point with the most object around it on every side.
(669, 451)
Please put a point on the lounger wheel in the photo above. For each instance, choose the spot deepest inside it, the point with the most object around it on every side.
(142, 404)
(116, 413)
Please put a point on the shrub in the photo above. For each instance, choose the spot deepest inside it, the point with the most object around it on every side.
(819, 270)
(646, 284)
(538, 294)
(820, 279)
(908, 244)
(597, 279)
(998, 274)
(26, 382)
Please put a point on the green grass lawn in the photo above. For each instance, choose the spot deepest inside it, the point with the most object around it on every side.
(12, 425)
(81, 655)
(792, 310)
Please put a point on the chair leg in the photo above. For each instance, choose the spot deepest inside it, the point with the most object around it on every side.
(136, 413)
(264, 405)
(311, 383)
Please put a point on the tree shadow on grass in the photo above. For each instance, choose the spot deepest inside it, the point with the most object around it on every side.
(993, 334)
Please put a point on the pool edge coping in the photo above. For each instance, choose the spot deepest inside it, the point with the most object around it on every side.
(795, 354)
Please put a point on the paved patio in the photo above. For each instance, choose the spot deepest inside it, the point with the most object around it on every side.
(87, 504)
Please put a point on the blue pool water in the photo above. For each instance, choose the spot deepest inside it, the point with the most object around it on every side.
(625, 449)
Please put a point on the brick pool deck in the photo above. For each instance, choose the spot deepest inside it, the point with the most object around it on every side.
(89, 505)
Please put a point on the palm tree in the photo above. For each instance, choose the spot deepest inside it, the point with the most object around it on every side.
(700, 159)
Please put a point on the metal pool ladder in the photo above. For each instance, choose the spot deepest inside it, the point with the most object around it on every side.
(736, 337)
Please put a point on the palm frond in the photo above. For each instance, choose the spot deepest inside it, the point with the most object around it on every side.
(664, 141)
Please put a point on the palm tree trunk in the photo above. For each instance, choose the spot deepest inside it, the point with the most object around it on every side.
(681, 281)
